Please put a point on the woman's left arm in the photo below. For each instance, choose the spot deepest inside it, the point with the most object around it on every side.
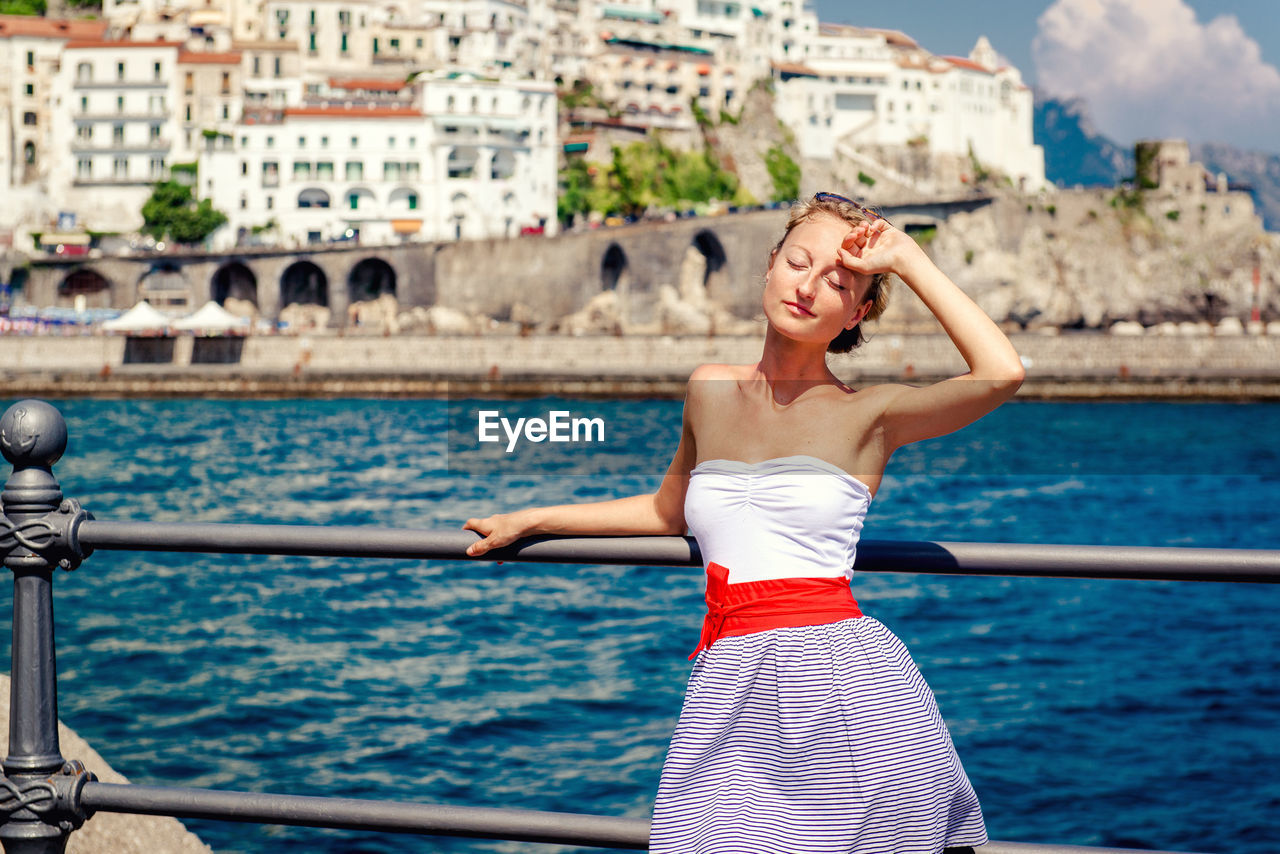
(910, 414)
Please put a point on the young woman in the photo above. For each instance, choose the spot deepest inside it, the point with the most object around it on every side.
(806, 727)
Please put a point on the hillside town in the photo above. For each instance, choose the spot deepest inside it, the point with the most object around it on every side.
(384, 122)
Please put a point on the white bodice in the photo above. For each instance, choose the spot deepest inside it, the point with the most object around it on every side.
(795, 516)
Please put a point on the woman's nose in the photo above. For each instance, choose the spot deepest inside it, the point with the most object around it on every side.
(807, 286)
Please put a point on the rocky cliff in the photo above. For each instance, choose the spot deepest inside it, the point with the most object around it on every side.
(1088, 259)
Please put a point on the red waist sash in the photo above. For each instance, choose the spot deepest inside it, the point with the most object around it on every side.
(757, 606)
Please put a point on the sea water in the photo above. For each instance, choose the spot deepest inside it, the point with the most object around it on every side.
(1123, 713)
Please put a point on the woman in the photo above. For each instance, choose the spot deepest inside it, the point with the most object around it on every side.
(806, 727)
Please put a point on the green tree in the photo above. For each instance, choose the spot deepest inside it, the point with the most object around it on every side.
(785, 173)
(23, 7)
(172, 211)
(575, 188)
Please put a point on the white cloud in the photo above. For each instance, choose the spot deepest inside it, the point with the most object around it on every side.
(1149, 68)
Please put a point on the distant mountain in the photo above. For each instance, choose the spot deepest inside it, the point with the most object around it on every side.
(1074, 152)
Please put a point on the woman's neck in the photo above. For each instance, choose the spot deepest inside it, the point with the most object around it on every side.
(795, 364)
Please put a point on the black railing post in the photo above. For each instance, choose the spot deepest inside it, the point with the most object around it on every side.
(38, 532)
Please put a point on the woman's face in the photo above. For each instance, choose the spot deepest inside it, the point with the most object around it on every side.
(809, 295)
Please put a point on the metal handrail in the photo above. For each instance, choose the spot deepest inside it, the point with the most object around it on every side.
(996, 559)
(43, 797)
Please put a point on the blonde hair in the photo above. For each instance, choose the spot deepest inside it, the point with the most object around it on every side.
(877, 291)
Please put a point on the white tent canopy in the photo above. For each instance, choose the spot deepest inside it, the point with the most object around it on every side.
(141, 318)
(212, 317)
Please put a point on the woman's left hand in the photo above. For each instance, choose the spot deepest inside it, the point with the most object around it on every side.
(877, 247)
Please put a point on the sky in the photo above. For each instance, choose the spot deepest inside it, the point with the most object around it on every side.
(1201, 70)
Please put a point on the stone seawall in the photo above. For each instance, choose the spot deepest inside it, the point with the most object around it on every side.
(115, 833)
(1066, 365)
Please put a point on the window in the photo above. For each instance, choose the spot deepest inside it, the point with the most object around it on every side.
(84, 72)
(84, 133)
(324, 142)
(155, 104)
(395, 45)
(226, 111)
(301, 170)
(29, 89)
(189, 83)
(120, 168)
(324, 170)
(244, 167)
(355, 142)
(244, 201)
(413, 142)
(342, 46)
(375, 45)
(391, 142)
(226, 82)
(270, 174)
(257, 65)
(84, 168)
(271, 142)
(413, 201)
(311, 42)
(155, 133)
(355, 170)
(120, 103)
(311, 18)
(276, 66)
(302, 142)
(187, 113)
(119, 70)
(390, 171)
(84, 103)
(29, 119)
(117, 134)
(31, 59)
(29, 153)
(157, 72)
(418, 44)
(353, 200)
(157, 167)
(271, 202)
(412, 170)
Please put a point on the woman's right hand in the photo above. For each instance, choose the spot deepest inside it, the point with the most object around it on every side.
(497, 531)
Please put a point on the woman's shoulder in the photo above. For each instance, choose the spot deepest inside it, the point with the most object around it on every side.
(721, 372)
(711, 380)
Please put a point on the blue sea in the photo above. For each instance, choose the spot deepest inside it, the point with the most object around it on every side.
(1125, 713)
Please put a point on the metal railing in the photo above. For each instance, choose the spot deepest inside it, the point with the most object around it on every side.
(44, 797)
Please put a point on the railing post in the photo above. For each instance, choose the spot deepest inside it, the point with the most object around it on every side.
(38, 532)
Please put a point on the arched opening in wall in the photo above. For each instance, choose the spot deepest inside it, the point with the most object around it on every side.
(613, 268)
(89, 285)
(361, 199)
(165, 287)
(303, 283)
(461, 206)
(713, 262)
(504, 164)
(29, 153)
(462, 161)
(313, 197)
(370, 279)
(236, 282)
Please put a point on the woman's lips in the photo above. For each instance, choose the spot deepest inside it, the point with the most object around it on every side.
(798, 310)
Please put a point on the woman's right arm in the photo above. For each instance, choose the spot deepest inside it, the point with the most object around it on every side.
(659, 513)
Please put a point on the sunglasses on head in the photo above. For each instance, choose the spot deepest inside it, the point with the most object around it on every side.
(835, 197)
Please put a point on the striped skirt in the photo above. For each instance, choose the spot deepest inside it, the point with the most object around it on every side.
(812, 739)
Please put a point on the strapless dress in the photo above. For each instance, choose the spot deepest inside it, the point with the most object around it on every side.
(803, 739)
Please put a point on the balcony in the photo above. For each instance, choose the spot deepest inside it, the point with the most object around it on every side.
(149, 146)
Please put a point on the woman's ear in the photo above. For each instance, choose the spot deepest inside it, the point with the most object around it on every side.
(859, 314)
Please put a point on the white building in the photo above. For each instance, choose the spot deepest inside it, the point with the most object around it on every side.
(30, 56)
(116, 129)
(466, 158)
(862, 87)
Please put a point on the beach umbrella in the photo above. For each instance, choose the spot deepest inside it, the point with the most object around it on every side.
(141, 318)
(212, 317)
